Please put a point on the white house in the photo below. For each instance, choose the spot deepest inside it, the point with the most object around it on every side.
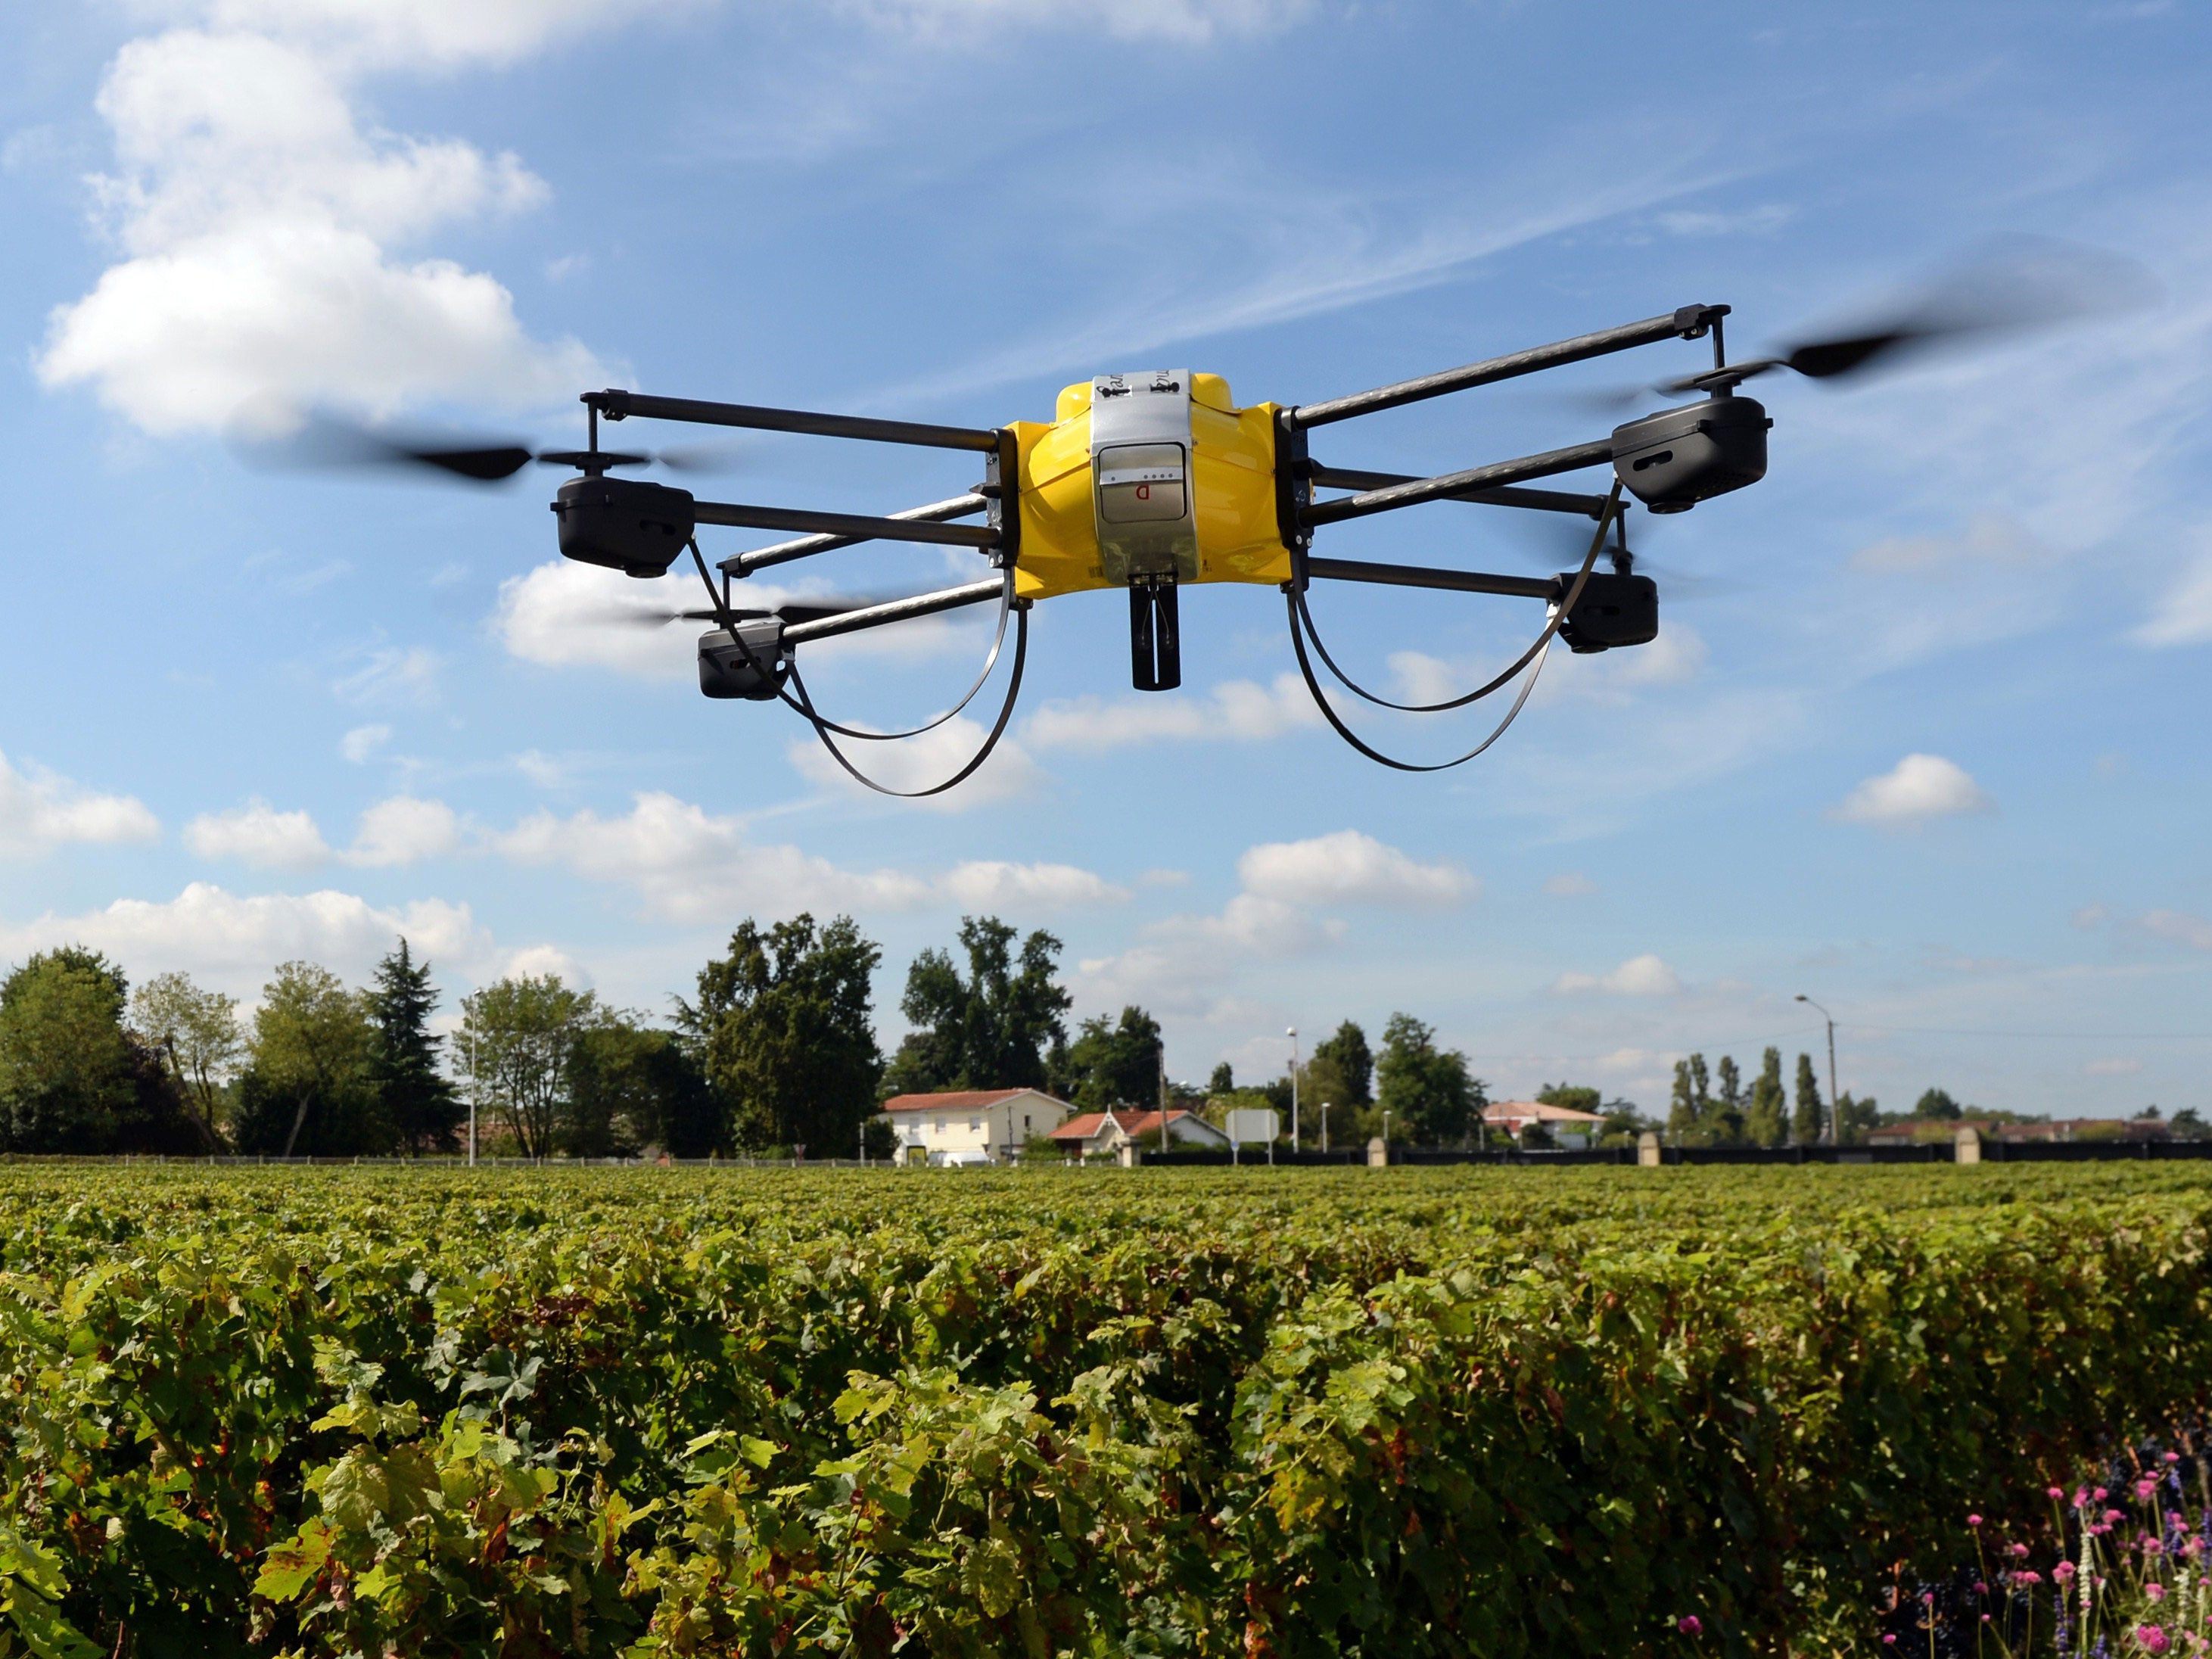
(972, 1126)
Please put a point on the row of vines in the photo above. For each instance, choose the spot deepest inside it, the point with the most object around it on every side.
(1403, 1413)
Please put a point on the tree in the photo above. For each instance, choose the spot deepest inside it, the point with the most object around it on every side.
(1805, 1128)
(520, 1032)
(1223, 1080)
(416, 1098)
(1935, 1104)
(1340, 1077)
(1429, 1092)
(631, 1086)
(69, 1073)
(1690, 1109)
(1109, 1065)
(308, 1086)
(2188, 1125)
(197, 1033)
(1855, 1117)
(782, 1024)
(1574, 1099)
(991, 1030)
(1766, 1116)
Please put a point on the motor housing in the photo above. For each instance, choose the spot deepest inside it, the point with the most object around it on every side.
(1611, 611)
(733, 668)
(622, 524)
(1673, 460)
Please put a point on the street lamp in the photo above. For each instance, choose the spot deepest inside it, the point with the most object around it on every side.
(472, 1100)
(1293, 1034)
(1829, 1131)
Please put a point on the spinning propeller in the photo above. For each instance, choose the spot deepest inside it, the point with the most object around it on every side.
(324, 441)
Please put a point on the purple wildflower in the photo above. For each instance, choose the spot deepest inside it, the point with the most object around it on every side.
(1690, 1624)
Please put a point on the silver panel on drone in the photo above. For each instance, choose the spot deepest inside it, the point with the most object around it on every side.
(1140, 452)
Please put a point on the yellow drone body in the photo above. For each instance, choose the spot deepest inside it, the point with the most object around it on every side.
(1148, 478)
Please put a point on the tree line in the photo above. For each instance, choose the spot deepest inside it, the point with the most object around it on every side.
(776, 1050)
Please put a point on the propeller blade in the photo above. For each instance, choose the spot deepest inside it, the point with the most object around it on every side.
(591, 460)
(702, 458)
(327, 442)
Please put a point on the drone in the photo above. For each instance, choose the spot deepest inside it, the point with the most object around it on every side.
(1157, 481)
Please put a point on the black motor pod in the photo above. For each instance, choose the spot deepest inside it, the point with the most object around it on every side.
(1611, 611)
(725, 669)
(636, 528)
(1673, 460)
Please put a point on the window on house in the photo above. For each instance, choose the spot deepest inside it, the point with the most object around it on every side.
(974, 1124)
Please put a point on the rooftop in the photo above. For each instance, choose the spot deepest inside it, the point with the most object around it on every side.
(962, 1100)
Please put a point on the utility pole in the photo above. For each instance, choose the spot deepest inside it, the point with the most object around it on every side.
(1830, 1130)
(1293, 1034)
(1324, 1128)
(472, 1100)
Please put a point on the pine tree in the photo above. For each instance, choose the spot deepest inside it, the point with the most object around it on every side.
(1805, 1128)
(416, 1100)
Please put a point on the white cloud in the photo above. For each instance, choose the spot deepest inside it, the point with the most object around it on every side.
(1185, 965)
(1189, 22)
(1235, 709)
(1569, 883)
(420, 34)
(232, 942)
(2180, 926)
(1349, 867)
(919, 762)
(536, 961)
(40, 811)
(2183, 616)
(363, 741)
(259, 836)
(992, 885)
(2111, 1067)
(1917, 788)
(2089, 916)
(257, 220)
(1645, 975)
(690, 866)
(392, 677)
(404, 831)
(565, 615)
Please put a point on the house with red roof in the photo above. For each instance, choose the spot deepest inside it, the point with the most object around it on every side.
(972, 1126)
(1110, 1131)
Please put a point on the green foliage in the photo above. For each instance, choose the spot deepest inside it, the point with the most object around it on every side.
(1855, 1117)
(1574, 1099)
(1116, 1065)
(1441, 1414)
(1766, 1113)
(1805, 1126)
(196, 1035)
(783, 1023)
(413, 1094)
(1433, 1098)
(630, 1086)
(69, 1073)
(518, 1034)
(1223, 1081)
(1937, 1104)
(991, 1030)
(308, 1086)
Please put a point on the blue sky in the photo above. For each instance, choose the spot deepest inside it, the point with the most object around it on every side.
(1922, 738)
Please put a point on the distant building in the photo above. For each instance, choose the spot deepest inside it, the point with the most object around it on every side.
(972, 1126)
(2090, 1128)
(1914, 1131)
(1572, 1128)
(1111, 1130)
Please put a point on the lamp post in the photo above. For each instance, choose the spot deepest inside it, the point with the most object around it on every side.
(1293, 1034)
(1830, 1129)
(472, 1100)
(1324, 1128)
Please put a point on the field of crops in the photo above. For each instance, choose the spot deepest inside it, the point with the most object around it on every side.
(1401, 1412)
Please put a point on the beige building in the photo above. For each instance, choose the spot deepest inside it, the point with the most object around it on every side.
(1110, 1131)
(972, 1126)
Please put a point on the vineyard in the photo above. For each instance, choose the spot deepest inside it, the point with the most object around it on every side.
(1604, 1412)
